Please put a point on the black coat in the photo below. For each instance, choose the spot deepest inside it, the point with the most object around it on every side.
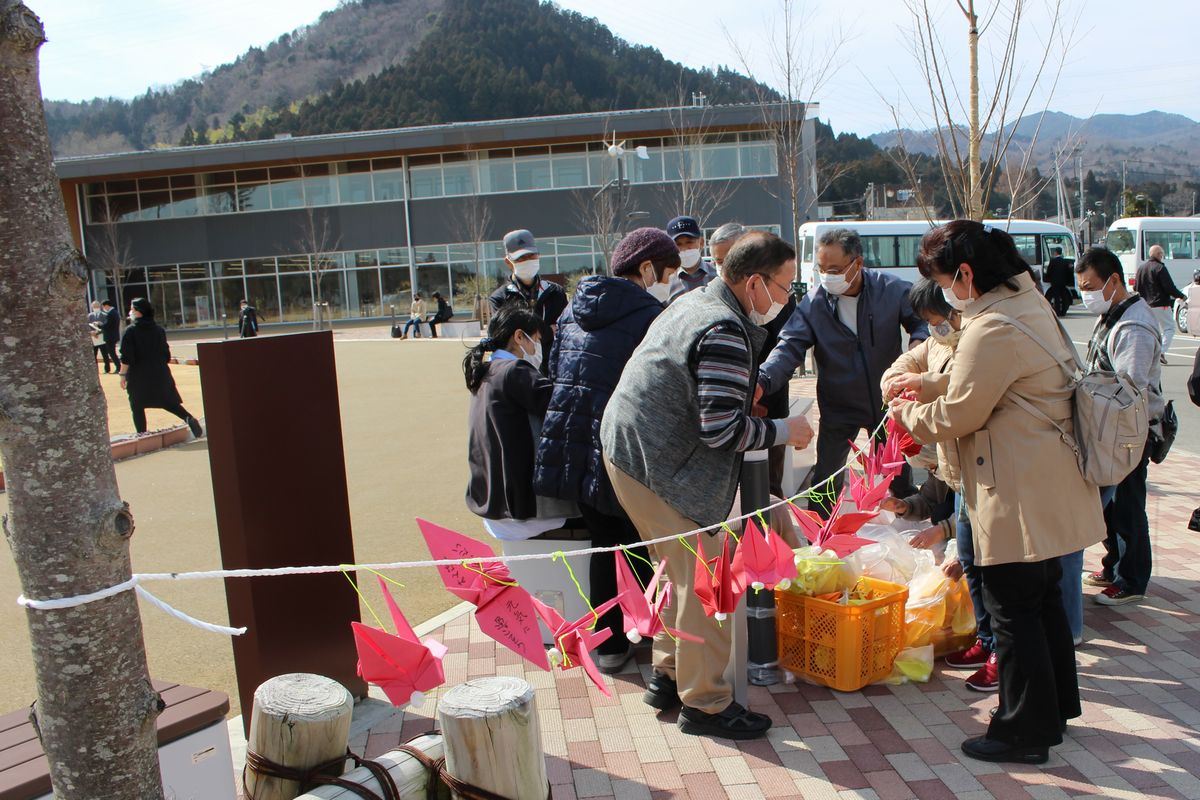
(500, 440)
(1058, 273)
(596, 336)
(144, 349)
(547, 299)
(1193, 383)
(111, 329)
(248, 322)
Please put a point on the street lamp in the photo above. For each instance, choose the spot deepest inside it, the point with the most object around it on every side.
(617, 151)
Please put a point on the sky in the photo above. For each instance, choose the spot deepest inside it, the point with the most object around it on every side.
(1118, 62)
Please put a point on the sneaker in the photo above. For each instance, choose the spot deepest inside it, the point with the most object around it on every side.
(1097, 578)
(984, 749)
(194, 424)
(1116, 596)
(1162, 360)
(612, 663)
(735, 722)
(987, 678)
(661, 692)
(973, 657)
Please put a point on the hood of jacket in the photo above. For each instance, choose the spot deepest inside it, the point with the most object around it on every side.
(601, 301)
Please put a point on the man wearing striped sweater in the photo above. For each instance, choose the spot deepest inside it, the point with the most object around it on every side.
(673, 436)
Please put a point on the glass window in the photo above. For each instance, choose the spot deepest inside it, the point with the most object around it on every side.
(396, 288)
(570, 171)
(465, 286)
(183, 181)
(532, 171)
(1120, 241)
(394, 255)
(260, 266)
(97, 209)
(719, 162)
(153, 184)
(197, 300)
(263, 294)
(362, 293)
(458, 174)
(758, 159)
(333, 293)
(678, 162)
(354, 181)
(647, 170)
(193, 271)
(228, 292)
(362, 258)
(433, 278)
(167, 306)
(1052, 241)
(293, 263)
(253, 196)
(122, 207)
(259, 175)
(160, 274)
(227, 269)
(907, 249)
(156, 205)
(286, 189)
(120, 187)
(431, 254)
(295, 297)
(1027, 246)
(219, 200)
(388, 179)
(879, 251)
(496, 171)
(320, 188)
(603, 167)
(1176, 244)
(425, 172)
(185, 203)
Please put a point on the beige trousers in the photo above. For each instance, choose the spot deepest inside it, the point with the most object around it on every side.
(698, 667)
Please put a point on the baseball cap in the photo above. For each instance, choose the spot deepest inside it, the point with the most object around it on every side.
(684, 226)
(519, 243)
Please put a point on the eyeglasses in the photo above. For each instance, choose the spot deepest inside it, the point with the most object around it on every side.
(768, 279)
(838, 270)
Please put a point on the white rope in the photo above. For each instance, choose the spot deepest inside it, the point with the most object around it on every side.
(138, 578)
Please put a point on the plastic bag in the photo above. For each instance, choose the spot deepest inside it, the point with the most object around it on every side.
(912, 664)
(891, 558)
(925, 611)
(818, 572)
(960, 611)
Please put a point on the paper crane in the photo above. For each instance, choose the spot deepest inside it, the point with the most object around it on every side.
(503, 609)
(869, 491)
(574, 641)
(819, 532)
(719, 589)
(899, 444)
(763, 561)
(399, 664)
(642, 609)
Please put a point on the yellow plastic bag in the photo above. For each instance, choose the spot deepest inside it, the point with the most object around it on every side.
(922, 619)
(817, 572)
(960, 611)
(913, 664)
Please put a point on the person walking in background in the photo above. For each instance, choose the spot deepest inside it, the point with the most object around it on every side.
(854, 320)
(95, 321)
(1058, 275)
(694, 271)
(1125, 339)
(547, 299)
(607, 319)
(247, 320)
(443, 313)
(673, 436)
(416, 313)
(1153, 282)
(1023, 524)
(146, 371)
(111, 331)
(722, 241)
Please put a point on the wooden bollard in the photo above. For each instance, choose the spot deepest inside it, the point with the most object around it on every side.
(411, 777)
(299, 721)
(492, 738)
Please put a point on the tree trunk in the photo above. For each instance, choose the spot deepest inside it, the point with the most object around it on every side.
(975, 199)
(68, 530)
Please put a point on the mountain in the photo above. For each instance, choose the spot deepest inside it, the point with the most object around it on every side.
(373, 64)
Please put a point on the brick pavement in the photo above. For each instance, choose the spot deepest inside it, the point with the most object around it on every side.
(1139, 673)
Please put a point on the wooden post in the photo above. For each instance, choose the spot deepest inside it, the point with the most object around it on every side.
(410, 776)
(492, 737)
(299, 721)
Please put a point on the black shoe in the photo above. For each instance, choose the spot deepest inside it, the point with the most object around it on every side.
(661, 692)
(194, 424)
(735, 722)
(997, 752)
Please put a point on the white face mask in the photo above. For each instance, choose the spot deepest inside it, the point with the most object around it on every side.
(689, 258)
(835, 283)
(1094, 302)
(526, 271)
(760, 318)
(534, 356)
(944, 333)
(956, 302)
(660, 292)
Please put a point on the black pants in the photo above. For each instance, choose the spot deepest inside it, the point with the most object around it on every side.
(1127, 559)
(139, 414)
(1060, 299)
(608, 531)
(833, 446)
(433, 322)
(102, 350)
(1039, 689)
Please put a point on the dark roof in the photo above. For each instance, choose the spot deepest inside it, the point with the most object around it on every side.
(427, 138)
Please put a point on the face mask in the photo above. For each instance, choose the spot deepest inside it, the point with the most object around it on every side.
(835, 283)
(526, 271)
(1094, 302)
(689, 258)
(660, 292)
(761, 319)
(956, 302)
(949, 337)
(534, 356)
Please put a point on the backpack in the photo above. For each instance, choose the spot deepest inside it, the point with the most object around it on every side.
(1111, 419)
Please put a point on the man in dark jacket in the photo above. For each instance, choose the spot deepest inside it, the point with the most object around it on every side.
(111, 329)
(247, 320)
(596, 336)
(547, 299)
(854, 321)
(1058, 276)
(1154, 284)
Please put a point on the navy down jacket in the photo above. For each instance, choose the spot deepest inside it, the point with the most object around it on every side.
(597, 334)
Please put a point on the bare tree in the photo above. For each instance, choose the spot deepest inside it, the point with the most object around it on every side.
(799, 67)
(113, 254)
(470, 223)
(318, 240)
(991, 116)
(67, 527)
(685, 188)
(599, 214)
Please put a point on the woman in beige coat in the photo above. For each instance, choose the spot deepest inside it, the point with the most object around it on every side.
(1022, 522)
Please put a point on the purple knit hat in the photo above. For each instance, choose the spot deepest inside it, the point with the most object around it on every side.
(643, 244)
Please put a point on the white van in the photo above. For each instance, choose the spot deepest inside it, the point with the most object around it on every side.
(1132, 237)
(893, 245)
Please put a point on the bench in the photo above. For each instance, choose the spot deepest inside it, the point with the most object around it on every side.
(193, 748)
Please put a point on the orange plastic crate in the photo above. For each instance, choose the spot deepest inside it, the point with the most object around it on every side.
(842, 647)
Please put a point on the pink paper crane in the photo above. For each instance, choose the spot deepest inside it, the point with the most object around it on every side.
(503, 609)
(905, 443)
(574, 641)
(642, 609)
(819, 532)
(715, 584)
(763, 561)
(868, 492)
(399, 664)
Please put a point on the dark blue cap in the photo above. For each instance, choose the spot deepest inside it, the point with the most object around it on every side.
(684, 226)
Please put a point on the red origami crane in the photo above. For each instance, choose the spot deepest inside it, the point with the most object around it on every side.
(836, 533)
(869, 491)
(574, 641)
(715, 583)
(763, 561)
(642, 609)
(503, 609)
(399, 664)
(899, 441)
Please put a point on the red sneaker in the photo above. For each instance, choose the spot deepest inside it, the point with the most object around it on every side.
(1116, 596)
(987, 679)
(1097, 578)
(973, 657)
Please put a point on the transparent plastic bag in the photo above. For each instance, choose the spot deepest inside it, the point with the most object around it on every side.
(891, 558)
(913, 664)
(818, 572)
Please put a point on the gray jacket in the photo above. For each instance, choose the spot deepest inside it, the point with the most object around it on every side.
(1133, 348)
(681, 283)
(849, 366)
(651, 427)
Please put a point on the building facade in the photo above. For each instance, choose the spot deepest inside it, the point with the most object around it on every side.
(358, 222)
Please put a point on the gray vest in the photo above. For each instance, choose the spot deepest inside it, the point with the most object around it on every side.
(651, 427)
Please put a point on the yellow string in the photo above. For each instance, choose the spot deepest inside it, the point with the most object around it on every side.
(578, 587)
(364, 600)
(385, 577)
(729, 530)
(683, 541)
(486, 576)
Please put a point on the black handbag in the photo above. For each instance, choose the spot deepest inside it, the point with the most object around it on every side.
(1194, 524)
(1160, 443)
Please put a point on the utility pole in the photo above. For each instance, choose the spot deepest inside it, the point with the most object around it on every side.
(1122, 188)
(1079, 172)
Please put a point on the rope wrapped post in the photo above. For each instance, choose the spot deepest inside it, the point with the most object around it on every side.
(299, 722)
(410, 774)
(762, 660)
(492, 738)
